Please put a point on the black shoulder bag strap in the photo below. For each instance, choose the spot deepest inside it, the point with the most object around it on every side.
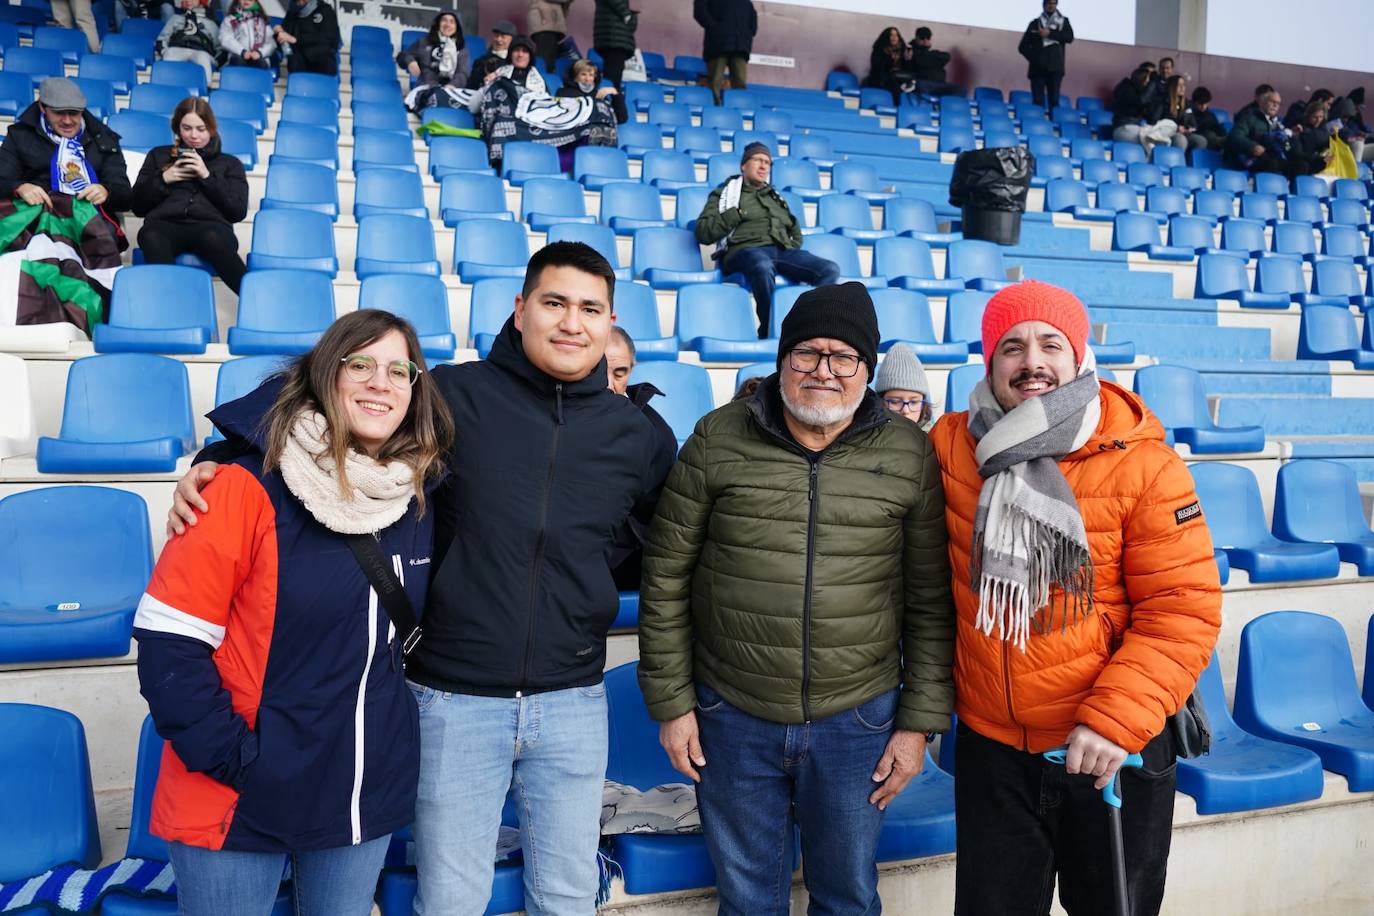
(388, 588)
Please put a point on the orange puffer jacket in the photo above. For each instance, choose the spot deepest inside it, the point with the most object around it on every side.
(1132, 662)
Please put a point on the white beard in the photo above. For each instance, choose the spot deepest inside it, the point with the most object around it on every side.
(820, 416)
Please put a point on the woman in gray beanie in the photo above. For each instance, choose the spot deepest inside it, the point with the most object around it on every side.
(903, 386)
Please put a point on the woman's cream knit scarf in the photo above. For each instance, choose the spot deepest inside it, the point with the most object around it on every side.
(378, 493)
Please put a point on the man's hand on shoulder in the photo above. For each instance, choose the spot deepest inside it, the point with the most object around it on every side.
(187, 503)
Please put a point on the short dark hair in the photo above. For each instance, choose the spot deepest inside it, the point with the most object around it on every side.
(578, 256)
(923, 33)
(1146, 65)
(1263, 89)
(1138, 73)
(627, 340)
(1163, 59)
(1202, 95)
(1321, 95)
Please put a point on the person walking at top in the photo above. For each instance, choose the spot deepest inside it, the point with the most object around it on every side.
(730, 27)
(613, 37)
(1044, 47)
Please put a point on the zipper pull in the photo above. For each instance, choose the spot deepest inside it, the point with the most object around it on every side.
(558, 402)
(815, 471)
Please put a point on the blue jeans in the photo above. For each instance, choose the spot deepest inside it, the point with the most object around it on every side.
(760, 264)
(761, 777)
(326, 882)
(551, 749)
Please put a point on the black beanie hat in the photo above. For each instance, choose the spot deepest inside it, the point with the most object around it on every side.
(753, 149)
(843, 312)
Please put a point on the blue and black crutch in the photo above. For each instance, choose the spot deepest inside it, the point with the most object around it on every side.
(1111, 794)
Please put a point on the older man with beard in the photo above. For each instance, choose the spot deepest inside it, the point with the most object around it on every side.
(796, 625)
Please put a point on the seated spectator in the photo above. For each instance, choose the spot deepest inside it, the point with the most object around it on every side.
(1261, 90)
(191, 35)
(1159, 75)
(903, 386)
(1260, 143)
(498, 50)
(887, 63)
(310, 37)
(1311, 143)
(1174, 108)
(190, 194)
(57, 147)
(584, 82)
(521, 70)
(1298, 110)
(141, 9)
(927, 66)
(439, 57)
(1202, 122)
(1352, 126)
(246, 35)
(756, 235)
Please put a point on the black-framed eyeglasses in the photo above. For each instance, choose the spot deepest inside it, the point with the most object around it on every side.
(842, 365)
(900, 404)
(363, 368)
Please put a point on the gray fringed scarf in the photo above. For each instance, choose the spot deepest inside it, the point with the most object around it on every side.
(1051, 22)
(1028, 534)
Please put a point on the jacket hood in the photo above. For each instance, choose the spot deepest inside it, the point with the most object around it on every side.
(1125, 420)
(242, 418)
(508, 352)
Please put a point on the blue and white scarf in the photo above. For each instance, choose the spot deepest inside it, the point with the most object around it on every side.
(70, 171)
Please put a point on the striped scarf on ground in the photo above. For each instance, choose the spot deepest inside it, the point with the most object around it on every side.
(1028, 534)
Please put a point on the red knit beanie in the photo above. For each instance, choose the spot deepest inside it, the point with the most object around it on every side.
(1031, 300)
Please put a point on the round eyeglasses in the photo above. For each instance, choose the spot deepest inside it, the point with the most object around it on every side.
(363, 368)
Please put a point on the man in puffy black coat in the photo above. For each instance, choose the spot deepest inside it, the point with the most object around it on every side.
(1043, 47)
(730, 27)
(26, 156)
(928, 66)
(311, 31)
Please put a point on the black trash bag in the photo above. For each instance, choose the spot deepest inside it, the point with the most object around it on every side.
(992, 179)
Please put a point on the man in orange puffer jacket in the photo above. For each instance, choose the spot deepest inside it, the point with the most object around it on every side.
(1088, 604)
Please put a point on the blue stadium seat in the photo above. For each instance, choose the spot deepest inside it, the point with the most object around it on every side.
(668, 117)
(489, 248)
(460, 118)
(920, 821)
(157, 98)
(1293, 240)
(524, 159)
(1368, 692)
(470, 195)
(1064, 195)
(958, 387)
(374, 149)
(389, 191)
(282, 311)
(668, 170)
(1116, 197)
(180, 73)
(457, 155)
(912, 217)
(237, 377)
(1047, 146)
(1213, 203)
(1346, 211)
(302, 109)
(998, 139)
(1245, 237)
(800, 176)
(720, 167)
(393, 243)
(1345, 242)
(546, 201)
(845, 253)
(1284, 276)
(238, 139)
(16, 93)
(313, 85)
(1125, 153)
(1235, 515)
(849, 216)
(907, 264)
(718, 323)
(640, 95)
(637, 139)
(1265, 207)
(493, 301)
(1318, 502)
(636, 311)
(955, 138)
(597, 166)
(1085, 148)
(1144, 175)
(36, 63)
(670, 258)
(50, 818)
(755, 370)
(774, 122)
(841, 80)
(301, 186)
(601, 238)
(1230, 180)
(630, 206)
(876, 99)
(1095, 171)
(904, 317)
(373, 116)
(421, 300)
(1328, 332)
(1224, 276)
(293, 240)
(1300, 208)
(307, 143)
(978, 263)
(1344, 188)
(1140, 232)
(700, 143)
(1177, 397)
(249, 79)
(1243, 772)
(159, 308)
(1187, 179)
(690, 203)
(363, 36)
(859, 179)
(99, 95)
(1207, 159)
(1296, 684)
(964, 318)
(136, 48)
(1194, 233)
(1271, 183)
(52, 608)
(248, 107)
(124, 412)
(120, 72)
(1335, 280)
(725, 120)
(1166, 201)
(686, 391)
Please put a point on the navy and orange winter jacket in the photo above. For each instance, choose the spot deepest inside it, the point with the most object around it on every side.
(273, 672)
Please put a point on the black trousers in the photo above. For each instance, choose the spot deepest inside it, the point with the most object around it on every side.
(1288, 167)
(613, 64)
(1045, 89)
(317, 60)
(1022, 821)
(162, 240)
(546, 47)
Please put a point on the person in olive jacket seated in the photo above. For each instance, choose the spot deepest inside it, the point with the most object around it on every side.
(57, 137)
(190, 194)
(310, 36)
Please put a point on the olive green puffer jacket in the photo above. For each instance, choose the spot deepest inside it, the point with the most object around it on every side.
(799, 587)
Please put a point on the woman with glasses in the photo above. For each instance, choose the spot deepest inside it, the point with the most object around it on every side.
(903, 386)
(269, 663)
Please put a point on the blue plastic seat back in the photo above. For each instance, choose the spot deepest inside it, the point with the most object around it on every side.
(720, 167)
(1293, 238)
(667, 165)
(744, 137)
(840, 80)
(239, 376)
(598, 237)
(1190, 231)
(1319, 501)
(1271, 183)
(599, 161)
(971, 259)
(1349, 188)
(314, 144)
(1222, 275)
(422, 300)
(844, 252)
(1169, 201)
(1347, 211)
(695, 97)
(466, 153)
(487, 241)
(1335, 278)
(1087, 149)
(666, 114)
(303, 109)
(697, 139)
(667, 248)
(136, 48)
(382, 148)
(156, 98)
(374, 91)
(997, 139)
(959, 386)
(38, 63)
(1128, 153)
(1243, 235)
(1062, 194)
(1259, 206)
(242, 106)
(690, 202)
(903, 315)
(99, 95)
(1097, 171)
(286, 300)
(154, 296)
(120, 72)
(396, 238)
(1342, 241)
(903, 214)
(180, 73)
(964, 318)
(1301, 208)
(1295, 668)
(1207, 202)
(493, 301)
(1144, 173)
(1112, 195)
(836, 211)
(49, 818)
(1230, 499)
(1167, 157)
(302, 185)
(552, 197)
(1053, 166)
(645, 93)
(525, 156)
(1280, 275)
(313, 85)
(721, 311)
(143, 844)
(901, 257)
(473, 193)
(777, 122)
(638, 135)
(631, 200)
(1326, 331)
(870, 97)
(796, 173)
(634, 756)
(686, 391)
(1175, 395)
(722, 119)
(248, 79)
(375, 116)
(753, 370)
(636, 310)
(1230, 180)
(956, 138)
(1046, 146)
(1187, 179)
(1134, 232)
(127, 397)
(240, 140)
